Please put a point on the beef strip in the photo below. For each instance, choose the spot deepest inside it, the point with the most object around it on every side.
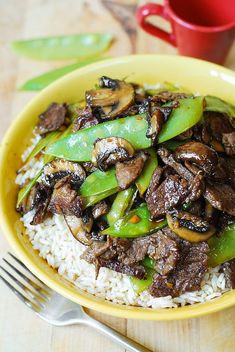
(85, 119)
(228, 269)
(215, 125)
(166, 96)
(52, 119)
(225, 171)
(41, 200)
(169, 160)
(136, 270)
(128, 171)
(188, 274)
(100, 209)
(221, 196)
(171, 192)
(89, 167)
(65, 200)
(158, 246)
(228, 140)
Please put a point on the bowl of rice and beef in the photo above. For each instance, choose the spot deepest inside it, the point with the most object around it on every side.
(119, 193)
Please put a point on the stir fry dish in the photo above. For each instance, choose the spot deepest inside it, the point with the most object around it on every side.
(144, 179)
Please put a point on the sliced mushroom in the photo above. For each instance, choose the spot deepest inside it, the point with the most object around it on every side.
(59, 168)
(128, 171)
(113, 99)
(79, 229)
(156, 116)
(190, 227)
(109, 151)
(200, 154)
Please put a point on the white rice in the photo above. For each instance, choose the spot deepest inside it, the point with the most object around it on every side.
(62, 251)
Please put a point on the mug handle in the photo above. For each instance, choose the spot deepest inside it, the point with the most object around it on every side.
(152, 9)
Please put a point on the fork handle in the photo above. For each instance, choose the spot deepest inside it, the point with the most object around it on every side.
(122, 340)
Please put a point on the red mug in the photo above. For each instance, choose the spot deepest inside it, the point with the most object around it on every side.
(200, 28)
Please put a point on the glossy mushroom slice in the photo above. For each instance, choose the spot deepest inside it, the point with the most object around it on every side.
(52, 119)
(128, 171)
(198, 153)
(190, 227)
(59, 168)
(113, 99)
(108, 151)
(80, 228)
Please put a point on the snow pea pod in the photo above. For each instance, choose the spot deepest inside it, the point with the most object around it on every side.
(136, 223)
(26, 189)
(99, 182)
(42, 81)
(80, 46)
(148, 262)
(43, 142)
(78, 146)
(142, 285)
(222, 248)
(144, 179)
(182, 118)
(219, 105)
(91, 200)
(120, 205)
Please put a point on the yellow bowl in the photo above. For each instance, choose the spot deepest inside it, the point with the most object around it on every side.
(197, 75)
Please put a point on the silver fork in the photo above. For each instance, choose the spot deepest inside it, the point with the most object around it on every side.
(53, 307)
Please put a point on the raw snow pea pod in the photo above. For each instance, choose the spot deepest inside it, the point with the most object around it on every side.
(219, 105)
(42, 81)
(79, 46)
(141, 285)
(136, 223)
(222, 248)
(120, 205)
(144, 179)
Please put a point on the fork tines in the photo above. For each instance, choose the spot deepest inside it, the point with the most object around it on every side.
(33, 294)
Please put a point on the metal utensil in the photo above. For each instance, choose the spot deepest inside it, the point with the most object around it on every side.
(53, 307)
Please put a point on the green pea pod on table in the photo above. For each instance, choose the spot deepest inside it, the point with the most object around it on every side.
(144, 179)
(120, 205)
(42, 81)
(135, 224)
(79, 46)
(222, 248)
(78, 146)
(219, 105)
(142, 285)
